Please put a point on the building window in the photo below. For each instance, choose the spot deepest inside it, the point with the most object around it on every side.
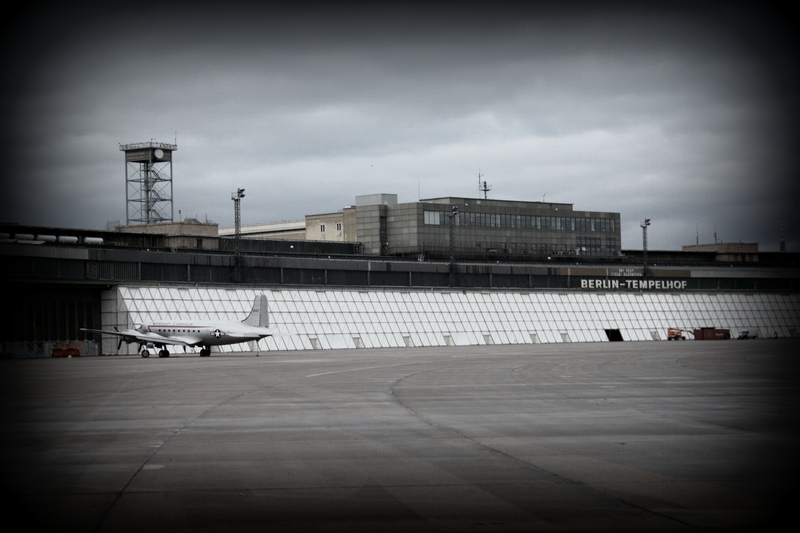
(433, 217)
(517, 222)
(338, 226)
(589, 245)
(611, 246)
(322, 228)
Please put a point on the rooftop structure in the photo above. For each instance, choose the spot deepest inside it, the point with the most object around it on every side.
(728, 251)
(292, 229)
(148, 182)
(189, 233)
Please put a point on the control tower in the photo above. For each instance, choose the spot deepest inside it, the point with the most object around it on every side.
(148, 182)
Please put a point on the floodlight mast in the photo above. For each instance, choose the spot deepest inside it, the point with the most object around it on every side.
(237, 249)
(453, 216)
(644, 246)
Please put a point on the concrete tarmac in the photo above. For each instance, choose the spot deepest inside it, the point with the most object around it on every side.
(662, 436)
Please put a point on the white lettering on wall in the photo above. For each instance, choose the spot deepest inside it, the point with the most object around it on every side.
(635, 284)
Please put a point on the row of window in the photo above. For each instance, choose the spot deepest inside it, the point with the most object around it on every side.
(338, 227)
(584, 246)
(533, 222)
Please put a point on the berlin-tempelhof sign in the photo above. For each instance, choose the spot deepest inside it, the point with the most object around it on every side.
(634, 284)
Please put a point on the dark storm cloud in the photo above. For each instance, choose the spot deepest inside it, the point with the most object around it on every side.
(676, 112)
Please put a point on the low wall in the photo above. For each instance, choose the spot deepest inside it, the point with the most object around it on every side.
(33, 349)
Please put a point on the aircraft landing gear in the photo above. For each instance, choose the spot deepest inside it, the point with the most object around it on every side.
(205, 352)
(163, 353)
(145, 352)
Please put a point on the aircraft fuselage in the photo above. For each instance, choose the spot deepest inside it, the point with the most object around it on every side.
(207, 334)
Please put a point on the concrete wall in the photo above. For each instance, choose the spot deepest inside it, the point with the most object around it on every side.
(403, 228)
(190, 233)
(292, 230)
(325, 227)
(728, 251)
(187, 227)
(350, 221)
(370, 227)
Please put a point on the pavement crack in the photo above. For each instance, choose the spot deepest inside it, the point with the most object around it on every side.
(594, 490)
(157, 449)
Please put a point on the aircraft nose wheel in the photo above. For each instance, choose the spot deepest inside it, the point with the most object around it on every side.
(145, 353)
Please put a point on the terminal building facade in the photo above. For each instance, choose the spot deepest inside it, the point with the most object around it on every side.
(379, 274)
(482, 227)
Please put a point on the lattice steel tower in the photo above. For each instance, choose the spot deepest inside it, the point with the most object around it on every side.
(148, 182)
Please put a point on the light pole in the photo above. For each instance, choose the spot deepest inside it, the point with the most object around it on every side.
(237, 219)
(644, 246)
(453, 215)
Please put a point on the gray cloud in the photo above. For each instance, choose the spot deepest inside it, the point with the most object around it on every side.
(675, 112)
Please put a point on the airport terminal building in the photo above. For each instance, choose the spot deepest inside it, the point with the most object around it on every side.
(482, 227)
(381, 226)
(439, 272)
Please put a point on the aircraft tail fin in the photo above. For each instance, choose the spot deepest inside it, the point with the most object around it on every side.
(259, 316)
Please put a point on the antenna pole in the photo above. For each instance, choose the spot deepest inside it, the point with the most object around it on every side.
(483, 187)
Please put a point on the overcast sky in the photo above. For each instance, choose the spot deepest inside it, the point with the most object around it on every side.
(684, 113)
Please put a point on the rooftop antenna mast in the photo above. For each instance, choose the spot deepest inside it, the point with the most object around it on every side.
(483, 187)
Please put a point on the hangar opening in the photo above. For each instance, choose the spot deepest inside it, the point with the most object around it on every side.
(614, 335)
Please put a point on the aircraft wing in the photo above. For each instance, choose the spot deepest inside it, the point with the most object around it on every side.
(131, 335)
